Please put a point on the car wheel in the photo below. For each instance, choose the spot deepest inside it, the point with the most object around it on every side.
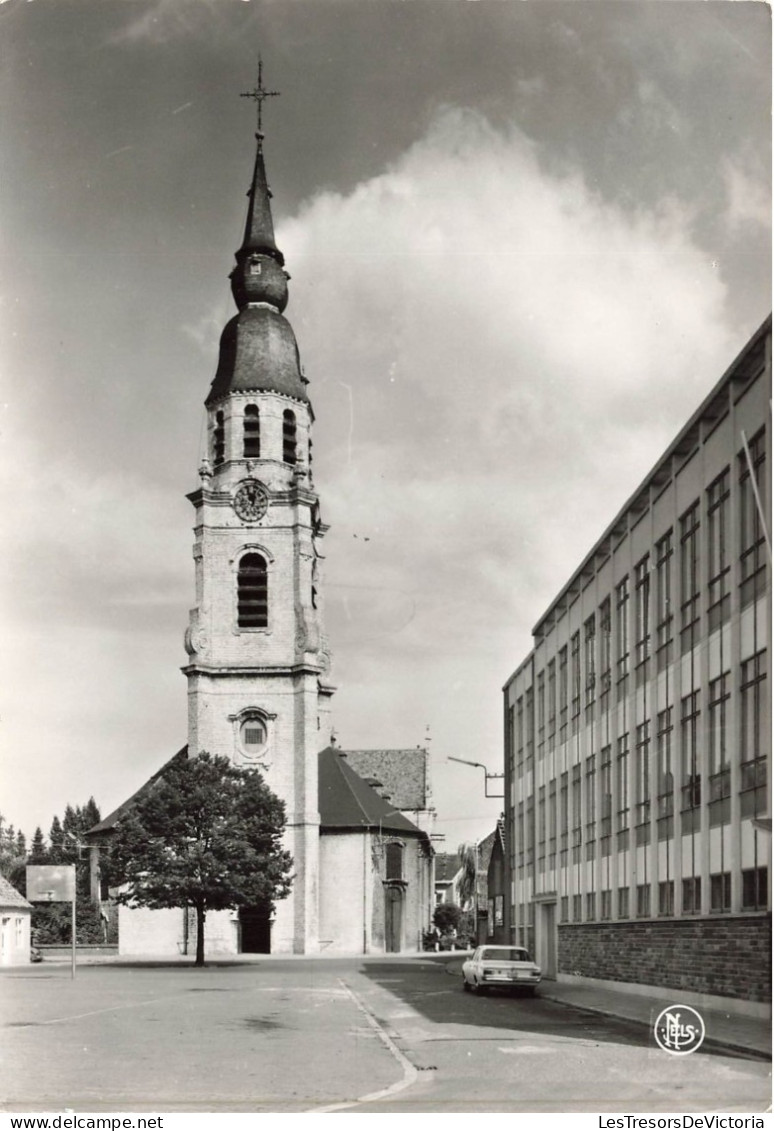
(466, 985)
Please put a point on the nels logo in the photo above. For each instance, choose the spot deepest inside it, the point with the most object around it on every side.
(679, 1030)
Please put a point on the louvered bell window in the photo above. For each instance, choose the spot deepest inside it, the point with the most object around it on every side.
(219, 439)
(252, 433)
(252, 592)
(289, 436)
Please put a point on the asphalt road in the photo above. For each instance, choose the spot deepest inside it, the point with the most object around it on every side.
(345, 1035)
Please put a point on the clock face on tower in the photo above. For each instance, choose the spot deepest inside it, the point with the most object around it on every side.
(251, 501)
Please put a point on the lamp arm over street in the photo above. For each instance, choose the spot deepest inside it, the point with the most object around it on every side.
(487, 776)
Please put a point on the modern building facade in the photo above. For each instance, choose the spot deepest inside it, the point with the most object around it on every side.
(637, 729)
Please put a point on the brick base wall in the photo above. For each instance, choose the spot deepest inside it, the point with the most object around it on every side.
(729, 955)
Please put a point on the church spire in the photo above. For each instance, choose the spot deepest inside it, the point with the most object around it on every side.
(259, 275)
(258, 350)
(259, 229)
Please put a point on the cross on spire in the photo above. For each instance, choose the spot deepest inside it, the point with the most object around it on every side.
(260, 94)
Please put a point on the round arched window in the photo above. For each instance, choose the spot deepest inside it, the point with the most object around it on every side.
(253, 735)
(252, 592)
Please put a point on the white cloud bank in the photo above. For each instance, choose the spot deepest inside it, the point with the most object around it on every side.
(497, 356)
(518, 352)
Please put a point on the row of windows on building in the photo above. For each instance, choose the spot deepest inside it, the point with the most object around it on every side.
(251, 436)
(751, 745)
(560, 688)
(594, 906)
(625, 788)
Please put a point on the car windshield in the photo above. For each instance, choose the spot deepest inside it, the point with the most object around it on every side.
(505, 954)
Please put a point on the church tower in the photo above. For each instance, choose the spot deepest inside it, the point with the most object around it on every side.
(258, 660)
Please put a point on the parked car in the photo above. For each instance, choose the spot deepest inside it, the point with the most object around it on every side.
(504, 966)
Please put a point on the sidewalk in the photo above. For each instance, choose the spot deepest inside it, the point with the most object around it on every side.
(736, 1033)
(748, 1036)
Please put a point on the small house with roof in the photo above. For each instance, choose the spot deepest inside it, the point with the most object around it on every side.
(447, 878)
(15, 925)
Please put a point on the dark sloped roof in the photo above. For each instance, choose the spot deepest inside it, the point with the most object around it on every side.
(403, 774)
(10, 897)
(348, 802)
(258, 353)
(345, 800)
(485, 847)
(107, 824)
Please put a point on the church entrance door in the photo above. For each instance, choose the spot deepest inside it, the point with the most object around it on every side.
(393, 919)
(255, 930)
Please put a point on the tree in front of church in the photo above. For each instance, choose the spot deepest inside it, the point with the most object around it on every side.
(206, 835)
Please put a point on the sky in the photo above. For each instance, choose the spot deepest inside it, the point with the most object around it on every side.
(525, 240)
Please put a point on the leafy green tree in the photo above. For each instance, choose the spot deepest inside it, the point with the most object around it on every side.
(447, 917)
(206, 834)
(12, 861)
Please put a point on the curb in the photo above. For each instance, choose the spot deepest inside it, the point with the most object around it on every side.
(713, 1044)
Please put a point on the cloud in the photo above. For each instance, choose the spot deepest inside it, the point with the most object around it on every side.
(497, 356)
(83, 547)
(748, 198)
(165, 21)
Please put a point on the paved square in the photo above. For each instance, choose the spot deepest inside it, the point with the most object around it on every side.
(169, 1038)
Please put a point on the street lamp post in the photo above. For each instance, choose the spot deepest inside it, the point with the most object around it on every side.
(487, 776)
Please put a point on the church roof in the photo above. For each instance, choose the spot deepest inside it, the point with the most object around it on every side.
(349, 802)
(258, 353)
(107, 824)
(402, 774)
(345, 800)
(258, 350)
(9, 896)
(259, 227)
